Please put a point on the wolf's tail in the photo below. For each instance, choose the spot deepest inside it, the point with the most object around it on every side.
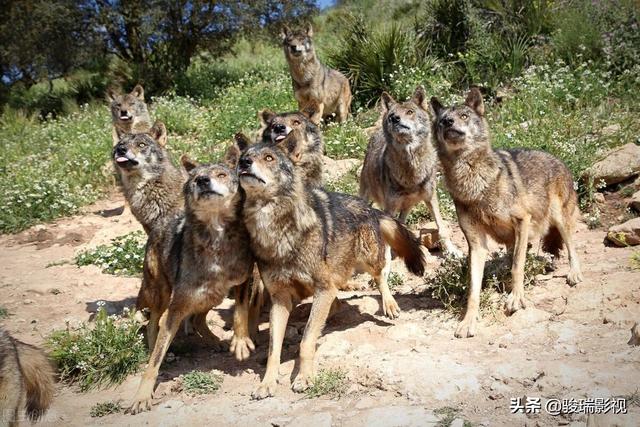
(404, 243)
(552, 241)
(38, 377)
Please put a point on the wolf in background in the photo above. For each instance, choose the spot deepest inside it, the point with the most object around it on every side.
(511, 196)
(129, 113)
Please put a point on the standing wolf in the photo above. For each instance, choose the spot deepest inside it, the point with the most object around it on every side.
(205, 255)
(400, 166)
(512, 196)
(129, 113)
(26, 381)
(308, 242)
(317, 88)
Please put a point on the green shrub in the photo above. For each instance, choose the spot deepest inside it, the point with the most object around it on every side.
(124, 256)
(181, 115)
(102, 409)
(345, 140)
(198, 382)
(446, 28)
(328, 382)
(577, 36)
(101, 355)
(4, 313)
(395, 280)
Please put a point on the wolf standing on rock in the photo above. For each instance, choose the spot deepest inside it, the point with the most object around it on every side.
(318, 89)
(129, 113)
(512, 196)
(400, 166)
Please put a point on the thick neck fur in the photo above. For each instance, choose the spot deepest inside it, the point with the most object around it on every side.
(207, 227)
(304, 70)
(409, 158)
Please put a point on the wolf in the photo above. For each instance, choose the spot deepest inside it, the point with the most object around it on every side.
(512, 196)
(206, 254)
(129, 113)
(275, 127)
(26, 381)
(309, 242)
(401, 162)
(317, 88)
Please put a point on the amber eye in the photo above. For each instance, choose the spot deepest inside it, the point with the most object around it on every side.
(464, 116)
(142, 144)
(296, 122)
(410, 112)
(268, 158)
(222, 175)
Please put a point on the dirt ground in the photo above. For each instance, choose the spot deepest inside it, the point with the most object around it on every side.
(570, 343)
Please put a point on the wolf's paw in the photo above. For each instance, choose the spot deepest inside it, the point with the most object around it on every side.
(452, 250)
(264, 390)
(467, 328)
(241, 347)
(390, 308)
(301, 383)
(515, 302)
(574, 277)
(140, 404)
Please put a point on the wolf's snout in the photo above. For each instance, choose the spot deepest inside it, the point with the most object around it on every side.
(394, 118)
(446, 122)
(121, 150)
(279, 128)
(245, 162)
(203, 181)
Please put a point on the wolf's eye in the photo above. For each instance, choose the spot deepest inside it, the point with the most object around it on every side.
(464, 116)
(268, 158)
(142, 144)
(222, 175)
(410, 112)
(296, 122)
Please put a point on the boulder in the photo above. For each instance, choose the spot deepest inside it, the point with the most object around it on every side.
(634, 203)
(429, 236)
(333, 170)
(617, 166)
(625, 234)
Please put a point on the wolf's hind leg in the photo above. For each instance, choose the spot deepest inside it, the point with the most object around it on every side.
(320, 307)
(443, 227)
(152, 328)
(516, 299)
(565, 227)
(390, 307)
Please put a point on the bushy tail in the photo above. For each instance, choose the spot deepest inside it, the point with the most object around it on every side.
(404, 243)
(552, 241)
(38, 377)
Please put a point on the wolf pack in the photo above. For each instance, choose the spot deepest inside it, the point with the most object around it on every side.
(260, 224)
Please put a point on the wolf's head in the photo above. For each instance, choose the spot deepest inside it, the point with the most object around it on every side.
(462, 128)
(297, 44)
(125, 107)
(267, 170)
(142, 153)
(403, 121)
(212, 189)
(275, 127)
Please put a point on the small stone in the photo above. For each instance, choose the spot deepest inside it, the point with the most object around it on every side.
(502, 345)
(618, 165)
(634, 203)
(429, 236)
(170, 357)
(458, 422)
(635, 335)
(27, 302)
(599, 198)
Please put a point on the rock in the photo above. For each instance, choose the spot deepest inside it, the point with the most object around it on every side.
(429, 236)
(291, 334)
(335, 169)
(621, 317)
(625, 234)
(320, 419)
(611, 420)
(458, 422)
(634, 203)
(610, 130)
(635, 335)
(599, 198)
(618, 165)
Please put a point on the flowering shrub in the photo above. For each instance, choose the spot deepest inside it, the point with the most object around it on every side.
(124, 256)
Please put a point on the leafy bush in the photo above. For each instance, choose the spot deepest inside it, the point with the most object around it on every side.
(102, 409)
(124, 256)
(328, 382)
(101, 355)
(198, 382)
(446, 28)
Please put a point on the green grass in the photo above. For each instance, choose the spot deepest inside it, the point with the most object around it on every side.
(635, 262)
(124, 256)
(102, 409)
(395, 280)
(447, 415)
(328, 382)
(99, 355)
(4, 313)
(198, 382)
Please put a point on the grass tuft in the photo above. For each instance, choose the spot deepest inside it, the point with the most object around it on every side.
(328, 382)
(124, 256)
(102, 409)
(4, 313)
(198, 382)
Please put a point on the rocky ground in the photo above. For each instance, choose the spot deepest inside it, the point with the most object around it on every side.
(570, 343)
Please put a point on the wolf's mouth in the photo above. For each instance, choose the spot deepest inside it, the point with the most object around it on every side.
(125, 118)
(249, 175)
(209, 193)
(454, 134)
(125, 162)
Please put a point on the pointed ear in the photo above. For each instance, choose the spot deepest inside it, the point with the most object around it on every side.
(266, 116)
(387, 100)
(159, 133)
(232, 156)
(284, 32)
(138, 92)
(242, 141)
(292, 145)
(187, 163)
(111, 95)
(309, 30)
(419, 97)
(436, 105)
(474, 100)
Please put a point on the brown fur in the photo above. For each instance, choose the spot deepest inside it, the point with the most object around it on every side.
(129, 113)
(197, 263)
(309, 242)
(319, 90)
(401, 163)
(511, 196)
(26, 381)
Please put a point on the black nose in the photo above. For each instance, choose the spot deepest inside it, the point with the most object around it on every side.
(395, 119)
(203, 181)
(446, 122)
(279, 128)
(121, 150)
(123, 111)
(245, 162)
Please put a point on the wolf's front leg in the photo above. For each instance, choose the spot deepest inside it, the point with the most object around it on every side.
(241, 344)
(322, 300)
(280, 309)
(516, 299)
(390, 307)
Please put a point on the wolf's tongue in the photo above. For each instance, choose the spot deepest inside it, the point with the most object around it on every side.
(279, 137)
(121, 159)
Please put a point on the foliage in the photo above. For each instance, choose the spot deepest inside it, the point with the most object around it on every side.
(4, 313)
(102, 409)
(101, 355)
(328, 382)
(198, 382)
(124, 256)
(394, 280)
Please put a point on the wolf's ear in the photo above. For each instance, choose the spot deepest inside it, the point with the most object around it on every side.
(187, 163)
(436, 105)
(138, 92)
(284, 31)
(242, 141)
(419, 97)
(111, 95)
(232, 156)
(309, 30)
(292, 146)
(159, 133)
(266, 116)
(474, 100)
(387, 100)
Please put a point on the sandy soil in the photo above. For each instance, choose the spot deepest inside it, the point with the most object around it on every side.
(570, 342)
